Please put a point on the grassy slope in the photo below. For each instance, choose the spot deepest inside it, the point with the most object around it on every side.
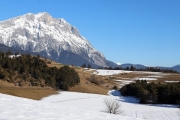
(35, 93)
(38, 93)
(87, 87)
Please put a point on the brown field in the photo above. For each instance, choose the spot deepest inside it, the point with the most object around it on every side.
(170, 77)
(31, 93)
(35, 93)
(86, 87)
(133, 75)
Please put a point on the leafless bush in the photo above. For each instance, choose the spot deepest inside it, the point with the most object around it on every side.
(112, 106)
(92, 77)
(94, 80)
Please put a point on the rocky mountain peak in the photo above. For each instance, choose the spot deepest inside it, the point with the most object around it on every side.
(44, 17)
(51, 37)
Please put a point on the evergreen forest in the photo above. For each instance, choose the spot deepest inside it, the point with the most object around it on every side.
(32, 70)
(168, 93)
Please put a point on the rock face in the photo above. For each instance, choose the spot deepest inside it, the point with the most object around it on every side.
(53, 38)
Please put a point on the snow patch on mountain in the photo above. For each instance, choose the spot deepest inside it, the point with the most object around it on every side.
(118, 63)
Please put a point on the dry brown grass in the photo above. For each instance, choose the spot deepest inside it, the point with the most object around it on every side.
(85, 86)
(131, 75)
(31, 92)
(168, 76)
(35, 93)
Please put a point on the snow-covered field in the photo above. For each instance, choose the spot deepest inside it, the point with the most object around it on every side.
(81, 106)
(64, 106)
(145, 78)
(123, 81)
(170, 81)
(109, 72)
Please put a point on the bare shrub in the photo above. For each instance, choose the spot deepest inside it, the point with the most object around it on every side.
(113, 106)
(94, 80)
(115, 88)
(92, 77)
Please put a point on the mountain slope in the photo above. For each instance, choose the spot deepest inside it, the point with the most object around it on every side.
(139, 66)
(52, 38)
(176, 67)
(4, 48)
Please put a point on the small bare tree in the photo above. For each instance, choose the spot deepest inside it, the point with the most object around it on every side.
(112, 106)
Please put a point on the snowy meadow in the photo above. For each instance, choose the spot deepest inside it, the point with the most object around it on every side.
(81, 106)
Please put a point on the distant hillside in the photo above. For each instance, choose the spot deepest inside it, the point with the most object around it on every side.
(138, 66)
(177, 68)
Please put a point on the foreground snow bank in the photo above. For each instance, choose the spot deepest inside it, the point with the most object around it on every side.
(81, 106)
(58, 107)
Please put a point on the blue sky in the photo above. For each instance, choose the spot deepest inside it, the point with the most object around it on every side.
(125, 31)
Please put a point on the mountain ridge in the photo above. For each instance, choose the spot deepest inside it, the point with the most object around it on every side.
(139, 66)
(51, 37)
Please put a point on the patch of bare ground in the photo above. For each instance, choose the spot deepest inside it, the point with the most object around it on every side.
(86, 86)
(134, 75)
(31, 93)
(130, 76)
(35, 93)
(170, 77)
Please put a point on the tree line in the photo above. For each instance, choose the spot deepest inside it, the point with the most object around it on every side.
(27, 68)
(84, 65)
(133, 68)
(153, 93)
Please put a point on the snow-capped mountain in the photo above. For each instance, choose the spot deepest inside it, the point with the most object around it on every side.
(52, 38)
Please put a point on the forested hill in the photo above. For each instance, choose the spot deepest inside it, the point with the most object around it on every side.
(32, 71)
(153, 93)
